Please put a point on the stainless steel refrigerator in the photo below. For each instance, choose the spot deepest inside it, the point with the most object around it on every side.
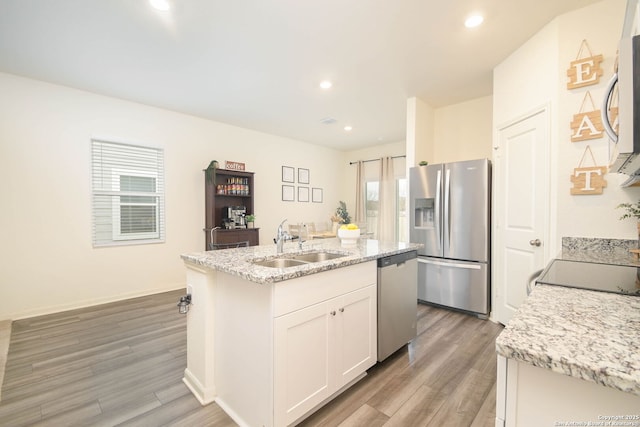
(450, 214)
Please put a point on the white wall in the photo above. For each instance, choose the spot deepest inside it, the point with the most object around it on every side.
(589, 216)
(463, 131)
(527, 81)
(420, 131)
(47, 260)
(447, 134)
(535, 75)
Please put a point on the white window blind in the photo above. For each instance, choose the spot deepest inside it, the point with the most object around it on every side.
(128, 193)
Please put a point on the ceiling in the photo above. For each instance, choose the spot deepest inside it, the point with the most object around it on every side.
(257, 64)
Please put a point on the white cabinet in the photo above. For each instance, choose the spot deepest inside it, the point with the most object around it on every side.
(283, 350)
(321, 348)
(528, 396)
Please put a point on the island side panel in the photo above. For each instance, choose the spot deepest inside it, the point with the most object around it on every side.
(244, 343)
(199, 374)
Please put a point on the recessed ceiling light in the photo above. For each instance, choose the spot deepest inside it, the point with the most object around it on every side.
(162, 5)
(348, 128)
(473, 21)
(325, 84)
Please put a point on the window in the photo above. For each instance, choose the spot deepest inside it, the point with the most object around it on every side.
(128, 194)
(371, 203)
(372, 195)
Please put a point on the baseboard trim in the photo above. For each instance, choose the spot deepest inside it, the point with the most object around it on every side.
(92, 302)
(5, 339)
(204, 396)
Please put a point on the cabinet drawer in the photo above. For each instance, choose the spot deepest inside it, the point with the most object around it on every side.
(294, 294)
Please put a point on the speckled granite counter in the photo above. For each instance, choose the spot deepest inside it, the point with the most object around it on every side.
(581, 333)
(238, 261)
(603, 251)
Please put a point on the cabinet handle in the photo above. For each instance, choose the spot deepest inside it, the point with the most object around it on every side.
(333, 312)
(342, 310)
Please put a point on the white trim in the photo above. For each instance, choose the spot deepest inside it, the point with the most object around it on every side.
(41, 311)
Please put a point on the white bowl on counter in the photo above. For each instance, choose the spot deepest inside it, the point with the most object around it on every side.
(348, 237)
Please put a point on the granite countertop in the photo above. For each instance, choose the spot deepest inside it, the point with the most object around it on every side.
(581, 333)
(600, 251)
(238, 261)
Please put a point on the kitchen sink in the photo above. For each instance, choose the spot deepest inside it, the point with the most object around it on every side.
(316, 256)
(279, 262)
(296, 260)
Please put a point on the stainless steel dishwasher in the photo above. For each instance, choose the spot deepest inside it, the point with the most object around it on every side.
(397, 302)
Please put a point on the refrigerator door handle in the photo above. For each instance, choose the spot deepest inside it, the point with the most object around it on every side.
(447, 226)
(450, 264)
(437, 213)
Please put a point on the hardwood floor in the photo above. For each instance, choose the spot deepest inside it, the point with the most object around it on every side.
(445, 377)
(122, 364)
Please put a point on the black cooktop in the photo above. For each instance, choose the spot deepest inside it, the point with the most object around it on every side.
(621, 279)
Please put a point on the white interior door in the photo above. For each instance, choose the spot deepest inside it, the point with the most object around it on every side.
(521, 214)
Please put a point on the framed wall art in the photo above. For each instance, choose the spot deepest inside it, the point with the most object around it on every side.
(288, 174)
(303, 176)
(316, 195)
(288, 193)
(303, 194)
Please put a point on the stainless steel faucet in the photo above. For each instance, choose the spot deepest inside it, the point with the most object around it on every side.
(303, 232)
(281, 236)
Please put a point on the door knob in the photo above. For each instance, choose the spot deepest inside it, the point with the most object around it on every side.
(535, 242)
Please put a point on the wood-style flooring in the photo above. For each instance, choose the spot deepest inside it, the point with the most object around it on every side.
(122, 364)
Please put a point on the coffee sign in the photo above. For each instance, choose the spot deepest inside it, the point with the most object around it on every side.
(234, 166)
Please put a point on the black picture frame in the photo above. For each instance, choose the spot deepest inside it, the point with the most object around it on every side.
(288, 174)
(316, 195)
(303, 194)
(288, 193)
(303, 176)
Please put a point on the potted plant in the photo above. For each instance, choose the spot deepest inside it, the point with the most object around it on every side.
(250, 220)
(340, 217)
(632, 211)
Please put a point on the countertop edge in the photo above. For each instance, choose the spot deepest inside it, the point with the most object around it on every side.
(521, 340)
(238, 261)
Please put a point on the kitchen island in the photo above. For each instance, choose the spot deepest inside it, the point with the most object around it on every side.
(571, 356)
(272, 345)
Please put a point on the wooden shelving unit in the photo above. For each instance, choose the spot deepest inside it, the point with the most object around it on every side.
(228, 188)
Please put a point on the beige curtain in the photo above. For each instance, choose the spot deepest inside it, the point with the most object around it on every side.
(387, 201)
(359, 216)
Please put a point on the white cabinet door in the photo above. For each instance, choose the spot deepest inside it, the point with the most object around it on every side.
(319, 349)
(303, 367)
(356, 334)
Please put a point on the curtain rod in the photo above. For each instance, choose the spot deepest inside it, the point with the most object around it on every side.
(376, 160)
